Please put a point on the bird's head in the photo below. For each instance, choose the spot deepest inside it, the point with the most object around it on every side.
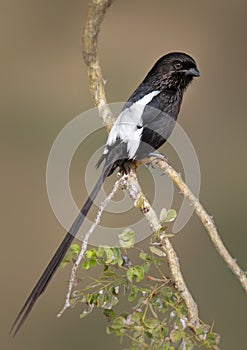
(175, 70)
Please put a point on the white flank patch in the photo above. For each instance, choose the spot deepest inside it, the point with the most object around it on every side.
(125, 127)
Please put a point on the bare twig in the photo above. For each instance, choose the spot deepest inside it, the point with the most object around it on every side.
(84, 245)
(206, 219)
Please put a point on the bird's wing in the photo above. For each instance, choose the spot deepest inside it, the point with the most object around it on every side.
(127, 129)
(157, 127)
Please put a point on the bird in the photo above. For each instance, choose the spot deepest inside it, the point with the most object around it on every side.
(144, 124)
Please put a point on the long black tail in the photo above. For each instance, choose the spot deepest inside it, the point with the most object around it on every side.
(58, 257)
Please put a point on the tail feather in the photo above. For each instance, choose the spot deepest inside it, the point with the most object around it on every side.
(58, 257)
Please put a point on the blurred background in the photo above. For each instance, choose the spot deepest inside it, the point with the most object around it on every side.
(44, 85)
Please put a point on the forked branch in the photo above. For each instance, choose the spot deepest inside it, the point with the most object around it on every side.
(97, 10)
(90, 39)
(96, 13)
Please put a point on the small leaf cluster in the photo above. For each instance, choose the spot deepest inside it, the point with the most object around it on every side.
(156, 317)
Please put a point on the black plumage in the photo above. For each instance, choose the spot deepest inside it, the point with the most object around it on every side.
(144, 124)
(170, 75)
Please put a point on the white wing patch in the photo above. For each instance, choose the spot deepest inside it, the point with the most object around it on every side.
(125, 127)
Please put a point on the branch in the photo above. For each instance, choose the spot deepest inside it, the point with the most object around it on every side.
(90, 40)
(96, 12)
(90, 43)
(138, 197)
(206, 219)
(84, 245)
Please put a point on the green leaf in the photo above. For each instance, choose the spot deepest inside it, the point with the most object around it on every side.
(210, 340)
(92, 262)
(157, 251)
(146, 266)
(116, 257)
(90, 253)
(138, 272)
(101, 261)
(117, 253)
(109, 255)
(118, 323)
(120, 261)
(145, 256)
(171, 215)
(133, 293)
(85, 265)
(75, 249)
(109, 313)
(130, 274)
(127, 238)
(100, 252)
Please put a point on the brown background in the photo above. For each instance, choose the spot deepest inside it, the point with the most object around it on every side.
(44, 85)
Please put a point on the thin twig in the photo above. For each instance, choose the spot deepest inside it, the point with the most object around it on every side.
(205, 218)
(84, 245)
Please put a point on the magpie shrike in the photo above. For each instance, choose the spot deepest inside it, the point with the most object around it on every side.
(145, 123)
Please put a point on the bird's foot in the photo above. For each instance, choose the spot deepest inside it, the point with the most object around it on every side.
(124, 168)
(158, 155)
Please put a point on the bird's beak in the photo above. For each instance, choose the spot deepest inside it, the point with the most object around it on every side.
(193, 71)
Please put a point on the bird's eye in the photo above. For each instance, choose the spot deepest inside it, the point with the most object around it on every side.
(177, 65)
